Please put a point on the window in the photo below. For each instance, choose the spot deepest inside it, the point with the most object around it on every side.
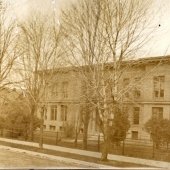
(126, 82)
(61, 128)
(54, 112)
(54, 90)
(137, 93)
(134, 134)
(44, 127)
(136, 112)
(65, 89)
(158, 85)
(157, 112)
(43, 112)
(52, 128)
(63, 113)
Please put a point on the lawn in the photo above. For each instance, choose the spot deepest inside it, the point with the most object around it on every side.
(132, 150)
(11, 159)
(73, 156)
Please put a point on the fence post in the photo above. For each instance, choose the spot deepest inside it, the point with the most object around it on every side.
(123, 147)
(167, 144)
(153, 150)
(41, 134)
(12, 133)
(56, 141)
(99, 142)
(1, 132)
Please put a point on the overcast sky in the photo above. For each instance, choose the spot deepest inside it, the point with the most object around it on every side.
(161, 39)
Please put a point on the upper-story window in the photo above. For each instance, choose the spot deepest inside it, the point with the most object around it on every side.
(54, 90)
(136, 112)
(65, 89)
(157, 112)
(158, 85)
(53, 112)
(126, 82)
(137, 91)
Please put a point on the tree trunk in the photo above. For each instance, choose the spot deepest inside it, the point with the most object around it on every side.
(76, 137)
(85, 135)
(106, 143)
(85, 130)
(31, 129)
(98, 141)
(104, 151)
(41, 134)
(32, 124)
(123, 147)
(26, 134)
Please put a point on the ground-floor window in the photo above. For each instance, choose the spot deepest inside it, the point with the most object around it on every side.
(53, 112)
(134, 134)
(157, 112)
(61, 128)
(64, 113)
(52, 128)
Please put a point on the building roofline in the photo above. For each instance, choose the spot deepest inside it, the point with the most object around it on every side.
(136, 62)
(155, 59)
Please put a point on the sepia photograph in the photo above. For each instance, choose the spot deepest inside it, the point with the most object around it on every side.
(84, 84)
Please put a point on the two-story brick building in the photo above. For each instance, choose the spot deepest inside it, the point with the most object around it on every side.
(149, 97)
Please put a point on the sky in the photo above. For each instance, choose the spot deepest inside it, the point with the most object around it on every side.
(158, 46)
(161, 41)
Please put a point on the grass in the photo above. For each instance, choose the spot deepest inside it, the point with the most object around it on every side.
(73, 156)
(139, 151)
(132, 150)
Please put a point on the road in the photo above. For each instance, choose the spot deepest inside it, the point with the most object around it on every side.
(11, 159)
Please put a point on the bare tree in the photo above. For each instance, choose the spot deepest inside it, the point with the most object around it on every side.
(8, 43)
(103, 38)
(39, 55)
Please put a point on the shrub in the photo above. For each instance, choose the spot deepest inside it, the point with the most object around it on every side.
(19, 124)
(69, 130)
(159, 130)
(120, 126)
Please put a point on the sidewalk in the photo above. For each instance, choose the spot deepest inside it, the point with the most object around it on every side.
(126, 159)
